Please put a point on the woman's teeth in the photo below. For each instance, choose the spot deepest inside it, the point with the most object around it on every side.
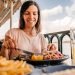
(30, 21)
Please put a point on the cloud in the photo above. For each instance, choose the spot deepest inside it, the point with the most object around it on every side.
(51, 12)
(70, 10)
(73, 1)
(58, 25)
(65, 23)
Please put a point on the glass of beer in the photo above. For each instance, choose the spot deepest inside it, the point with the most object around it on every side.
(72, 36)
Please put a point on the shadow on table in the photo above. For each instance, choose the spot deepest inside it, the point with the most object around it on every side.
(52, 69)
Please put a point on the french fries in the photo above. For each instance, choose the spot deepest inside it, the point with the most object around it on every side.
(12, 67)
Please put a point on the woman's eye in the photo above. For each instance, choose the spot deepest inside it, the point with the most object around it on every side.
(34, 13)
(26, 13)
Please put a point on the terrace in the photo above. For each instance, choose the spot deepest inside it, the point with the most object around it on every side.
(6, 12)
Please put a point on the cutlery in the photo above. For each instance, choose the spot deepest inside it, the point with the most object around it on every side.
(25, 51)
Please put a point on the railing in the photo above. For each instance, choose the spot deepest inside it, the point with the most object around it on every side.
(59, 36)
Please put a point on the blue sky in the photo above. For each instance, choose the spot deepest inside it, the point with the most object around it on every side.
(44, 4)
(56, 15)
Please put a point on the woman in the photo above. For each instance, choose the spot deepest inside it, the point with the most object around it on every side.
(27, 36)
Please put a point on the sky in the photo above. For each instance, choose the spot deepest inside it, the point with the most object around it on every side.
(56, 15)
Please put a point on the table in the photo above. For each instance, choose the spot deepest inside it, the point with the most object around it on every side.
(70, 61)
(38, 70)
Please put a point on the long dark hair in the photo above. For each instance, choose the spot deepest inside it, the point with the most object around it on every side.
(23, 9)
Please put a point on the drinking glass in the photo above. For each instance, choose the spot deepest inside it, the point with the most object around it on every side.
(72, 36)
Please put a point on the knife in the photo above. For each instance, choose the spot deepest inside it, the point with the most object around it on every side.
(25, 51)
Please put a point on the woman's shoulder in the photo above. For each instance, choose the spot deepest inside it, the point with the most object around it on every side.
(13, 30)
(40, 35)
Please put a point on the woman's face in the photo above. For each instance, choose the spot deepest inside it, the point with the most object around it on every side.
(31, 16)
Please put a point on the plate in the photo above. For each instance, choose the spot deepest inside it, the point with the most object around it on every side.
(47, 62)
(52, 69)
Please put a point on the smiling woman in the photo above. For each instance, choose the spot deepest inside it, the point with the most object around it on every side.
(51, 23)
(27, 36)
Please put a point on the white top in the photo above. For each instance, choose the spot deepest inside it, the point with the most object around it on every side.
(34, 44)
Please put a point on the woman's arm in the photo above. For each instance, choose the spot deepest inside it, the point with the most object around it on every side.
(8, 48)
(7, 44)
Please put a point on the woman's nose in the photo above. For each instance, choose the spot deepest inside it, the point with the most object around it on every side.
(31, 16)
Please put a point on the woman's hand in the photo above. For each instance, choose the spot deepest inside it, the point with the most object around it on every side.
(51, 47)
(6, 50)
(14, 53)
